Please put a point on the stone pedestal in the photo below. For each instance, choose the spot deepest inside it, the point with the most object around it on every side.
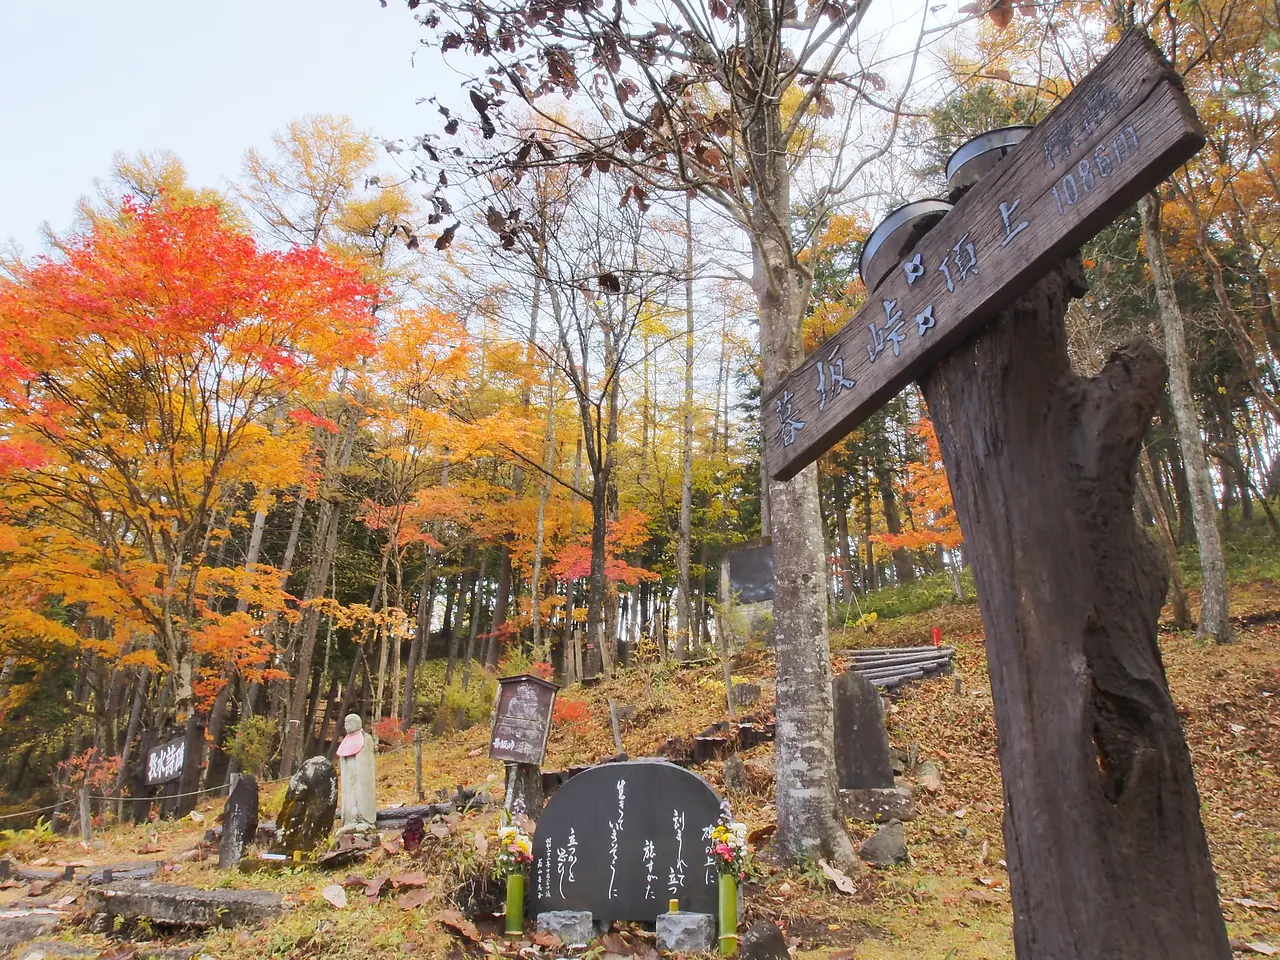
(685, 932)
(573, 927)
(878, 805)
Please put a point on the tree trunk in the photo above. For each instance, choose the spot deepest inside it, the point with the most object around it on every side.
(477, 592)
(294, 735)
(1164, 530)
(426, 605)
(810, 824)
(684, 602)
(1213, 601)
(903, 568)
(502, 599)
(535, 584)
(1107, 855)
(842, 535)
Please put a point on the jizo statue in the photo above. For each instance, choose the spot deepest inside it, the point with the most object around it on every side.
(357, 804)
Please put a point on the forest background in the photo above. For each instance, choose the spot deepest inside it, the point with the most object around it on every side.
(349, 435)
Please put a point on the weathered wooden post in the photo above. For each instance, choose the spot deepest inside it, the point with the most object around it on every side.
(1107, 855)
(86, 815)
(417, 764)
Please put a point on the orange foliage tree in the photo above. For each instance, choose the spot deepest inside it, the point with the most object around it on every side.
(138, 376)
(929, 496)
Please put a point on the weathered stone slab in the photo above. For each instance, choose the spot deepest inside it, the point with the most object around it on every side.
(17, 927)
(861, 742)
(176, 906)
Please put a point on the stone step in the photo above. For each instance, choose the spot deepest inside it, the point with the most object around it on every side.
(170, 905)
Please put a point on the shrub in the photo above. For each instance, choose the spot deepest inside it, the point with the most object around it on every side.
(568, 711)
(388, 732)
(253, 744)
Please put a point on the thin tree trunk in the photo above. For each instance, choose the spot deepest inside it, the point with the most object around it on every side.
(535, 585)
(501, 600)
(1213, 601)
(684, 542)
(477, 593)
(1177, 593)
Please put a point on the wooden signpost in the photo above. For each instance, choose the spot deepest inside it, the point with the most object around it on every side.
(1122, 130)
(1107, 853)
(521, 725)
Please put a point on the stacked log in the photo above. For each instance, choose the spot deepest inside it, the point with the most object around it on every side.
(890, 667)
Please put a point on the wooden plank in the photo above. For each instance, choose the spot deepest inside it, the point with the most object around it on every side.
(1121, 131)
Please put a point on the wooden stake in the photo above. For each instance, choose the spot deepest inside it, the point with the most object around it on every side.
(86, 821)
(417, 762)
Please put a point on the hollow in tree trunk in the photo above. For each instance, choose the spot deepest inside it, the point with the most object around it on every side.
(1107, 855)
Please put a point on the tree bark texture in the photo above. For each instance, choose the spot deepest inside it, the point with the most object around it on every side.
(1107, 855)
(1213, 598)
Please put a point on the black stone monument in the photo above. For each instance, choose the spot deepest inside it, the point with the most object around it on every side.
(622, 839)
(239, 822)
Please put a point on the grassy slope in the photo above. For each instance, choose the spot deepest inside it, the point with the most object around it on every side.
(950, 901)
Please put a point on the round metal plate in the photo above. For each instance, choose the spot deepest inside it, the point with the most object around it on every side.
(887, 243)
(974, 158)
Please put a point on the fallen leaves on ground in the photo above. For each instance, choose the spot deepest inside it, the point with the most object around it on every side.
(838, 877)
(414, 898)
(455, 921)
(336, 896)
(1266, 949)
(412, 878)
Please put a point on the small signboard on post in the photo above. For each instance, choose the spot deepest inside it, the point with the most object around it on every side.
(522, 719)
(1122, 130)
(165, 761)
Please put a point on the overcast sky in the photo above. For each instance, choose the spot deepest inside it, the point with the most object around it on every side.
(83, 80)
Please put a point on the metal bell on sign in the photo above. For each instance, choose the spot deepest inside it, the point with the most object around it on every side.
(974, 158)
(897, 233)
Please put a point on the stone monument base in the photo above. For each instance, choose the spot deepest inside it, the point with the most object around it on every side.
(358, 829)
(573, 927)
(685, 932)
(878, 805)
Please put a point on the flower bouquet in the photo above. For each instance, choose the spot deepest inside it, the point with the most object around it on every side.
(729, 848)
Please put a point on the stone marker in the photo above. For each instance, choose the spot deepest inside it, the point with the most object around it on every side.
(239, 822)
(735, 774)
(622, 839)
(746, 693)
(886, 847)
(306, 816)
(573, 927)
(861, 742)
(167, 905)
(763, 941)
(356, 766)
